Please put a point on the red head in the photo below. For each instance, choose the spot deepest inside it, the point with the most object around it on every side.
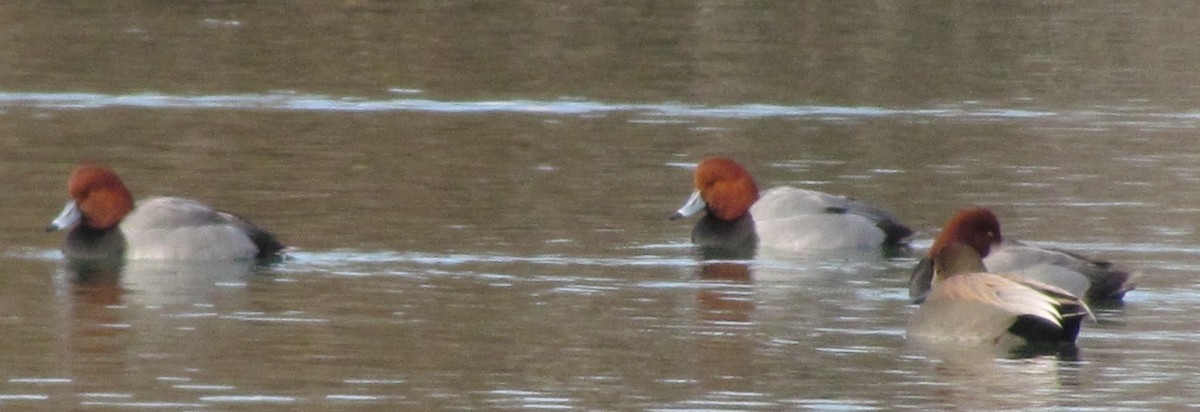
(726, 187)
(975, 227)
(100, 196)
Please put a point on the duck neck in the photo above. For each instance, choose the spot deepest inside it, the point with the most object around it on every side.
(89, 243)
(726, 239)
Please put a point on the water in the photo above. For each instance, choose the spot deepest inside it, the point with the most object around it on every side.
(479, 207)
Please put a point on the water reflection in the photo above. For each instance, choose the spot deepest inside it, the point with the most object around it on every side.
(975, 377)
(154, 282)
(684, 113)
(114, 315)
(727, 295)
(93, 333)
(726, 340)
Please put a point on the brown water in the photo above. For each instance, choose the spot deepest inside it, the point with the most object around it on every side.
(478, 194)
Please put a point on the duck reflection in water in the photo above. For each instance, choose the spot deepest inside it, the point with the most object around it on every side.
(94, 289)
(158, 282)
(91, 340)
(113, 311)
(728, 293)
(975, 377)
(725, 348)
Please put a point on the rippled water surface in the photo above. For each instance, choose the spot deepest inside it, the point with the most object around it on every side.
(477, 196)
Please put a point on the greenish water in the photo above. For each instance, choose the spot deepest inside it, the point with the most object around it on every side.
(478, 196)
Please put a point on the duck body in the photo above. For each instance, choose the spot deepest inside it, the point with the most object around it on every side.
(168, 228)
(788, 218)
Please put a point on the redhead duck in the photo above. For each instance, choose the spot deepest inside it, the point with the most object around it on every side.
(1094, 280)
(737, 220)
(968, 304)
(105, 224)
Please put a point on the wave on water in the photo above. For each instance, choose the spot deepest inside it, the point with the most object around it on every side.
(339, 258)
(286, 101)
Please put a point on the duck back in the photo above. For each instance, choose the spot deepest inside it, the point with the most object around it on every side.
(166, 228)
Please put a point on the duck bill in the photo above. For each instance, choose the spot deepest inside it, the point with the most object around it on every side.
(690, 207)
(69, 216)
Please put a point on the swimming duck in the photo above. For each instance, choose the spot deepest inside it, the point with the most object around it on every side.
(969, 304)
(738, 220)
(105, 224)
(1094, 280)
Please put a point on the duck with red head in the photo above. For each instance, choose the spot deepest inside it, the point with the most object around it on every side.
(738, 221)
(105, 224)
(979, 228)
(967, 304)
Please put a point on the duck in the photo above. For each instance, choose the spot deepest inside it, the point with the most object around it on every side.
(105, 223)
(978, 227)
(738, 220)
(967, 303)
